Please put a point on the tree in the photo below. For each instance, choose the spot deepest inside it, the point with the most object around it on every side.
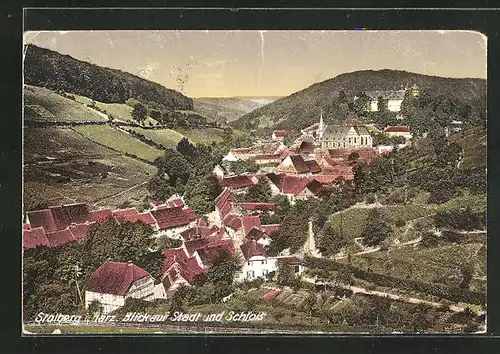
(259, 192)
(331, 241)
(139, 112)
(95, 308)
(361, 104)
(377, 228)
(353, 156)
(285, 275)
(185, 147)
(160, 188)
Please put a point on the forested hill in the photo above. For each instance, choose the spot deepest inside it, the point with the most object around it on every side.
(57, 72)
(303, 108)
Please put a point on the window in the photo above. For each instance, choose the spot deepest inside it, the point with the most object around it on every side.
(249, 263)
(349, 140)
(264, 261)
(264, 272)
(250, 274)
(297, 269)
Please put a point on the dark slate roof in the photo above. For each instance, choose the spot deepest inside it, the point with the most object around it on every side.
(387, 94)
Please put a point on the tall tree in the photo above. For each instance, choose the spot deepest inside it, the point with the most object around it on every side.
(377, 228)
(139, 112)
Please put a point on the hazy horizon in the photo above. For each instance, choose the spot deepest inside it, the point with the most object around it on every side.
(253, 64)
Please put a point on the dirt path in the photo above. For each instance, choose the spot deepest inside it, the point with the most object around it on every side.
(411, 300)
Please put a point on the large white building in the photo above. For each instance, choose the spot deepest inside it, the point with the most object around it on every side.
(113, 282)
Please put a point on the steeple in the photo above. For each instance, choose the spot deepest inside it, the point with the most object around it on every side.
(321, 125)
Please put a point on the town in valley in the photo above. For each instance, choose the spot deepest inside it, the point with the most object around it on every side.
(353, 205)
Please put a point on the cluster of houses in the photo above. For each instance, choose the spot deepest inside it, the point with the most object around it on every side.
(62, 224)
(237, 229)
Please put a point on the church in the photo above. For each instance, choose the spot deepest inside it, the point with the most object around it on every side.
(339, 136)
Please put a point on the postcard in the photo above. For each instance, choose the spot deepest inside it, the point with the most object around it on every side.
(254, 182)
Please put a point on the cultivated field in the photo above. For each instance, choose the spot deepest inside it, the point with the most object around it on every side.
(441, 265)
(168, 138)
(119, 140)
(44, 105)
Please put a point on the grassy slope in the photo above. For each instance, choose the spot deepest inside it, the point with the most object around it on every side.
(62, 109)
(119, 111)
(119, 140)
(353, 219)
(206, 135)
(165, 137)
(436, 265)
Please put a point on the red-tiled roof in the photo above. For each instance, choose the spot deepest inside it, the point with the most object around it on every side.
(269, 229)
(248, 222)
(352, 122)
(201, 222)
(237, 182)
(42, 218)
(315, 187)
(223, 198)
(323, 179)
(80, 230)
(193, 245)
(251, 249)
(294, 184)
(125, 213)
(60, 237)
(190, 214)
(178, 202)
(311, 128)
(197, 232)
(280, 133)
(268, 157)
(115, 278)
(26, 226)
(257, 206)
(172, 217)
(233, 221)
(211, 252)
(100, 215)
(397, 129)
(305, 147)
(276, 179)
(256, 233)
(270, 294)
(35, 237)
(313, 166)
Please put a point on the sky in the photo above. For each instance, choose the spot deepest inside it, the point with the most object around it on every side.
(267, 63)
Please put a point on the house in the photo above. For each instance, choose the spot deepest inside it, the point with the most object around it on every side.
(394, 99)
(296, 165)
(56, 225)
(345, 137)
(224, 204)
(239, 184)
(219, 172)
(256, 262)
(230, 157)
(279, 135)
(113, 282)
(398, 130)
(178, 270)
(267, 159)
(173, 220)
(133, 215)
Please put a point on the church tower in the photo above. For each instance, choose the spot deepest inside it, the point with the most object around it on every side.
(321, 128)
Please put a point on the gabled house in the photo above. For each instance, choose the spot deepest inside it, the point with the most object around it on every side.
(256, 262)
(178, 270)
(113, 282)
(239, 184)
(172, 221)
(224, 204)
(296, 165)
(56, 225)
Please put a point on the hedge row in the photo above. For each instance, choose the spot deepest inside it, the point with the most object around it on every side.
(443, 291)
